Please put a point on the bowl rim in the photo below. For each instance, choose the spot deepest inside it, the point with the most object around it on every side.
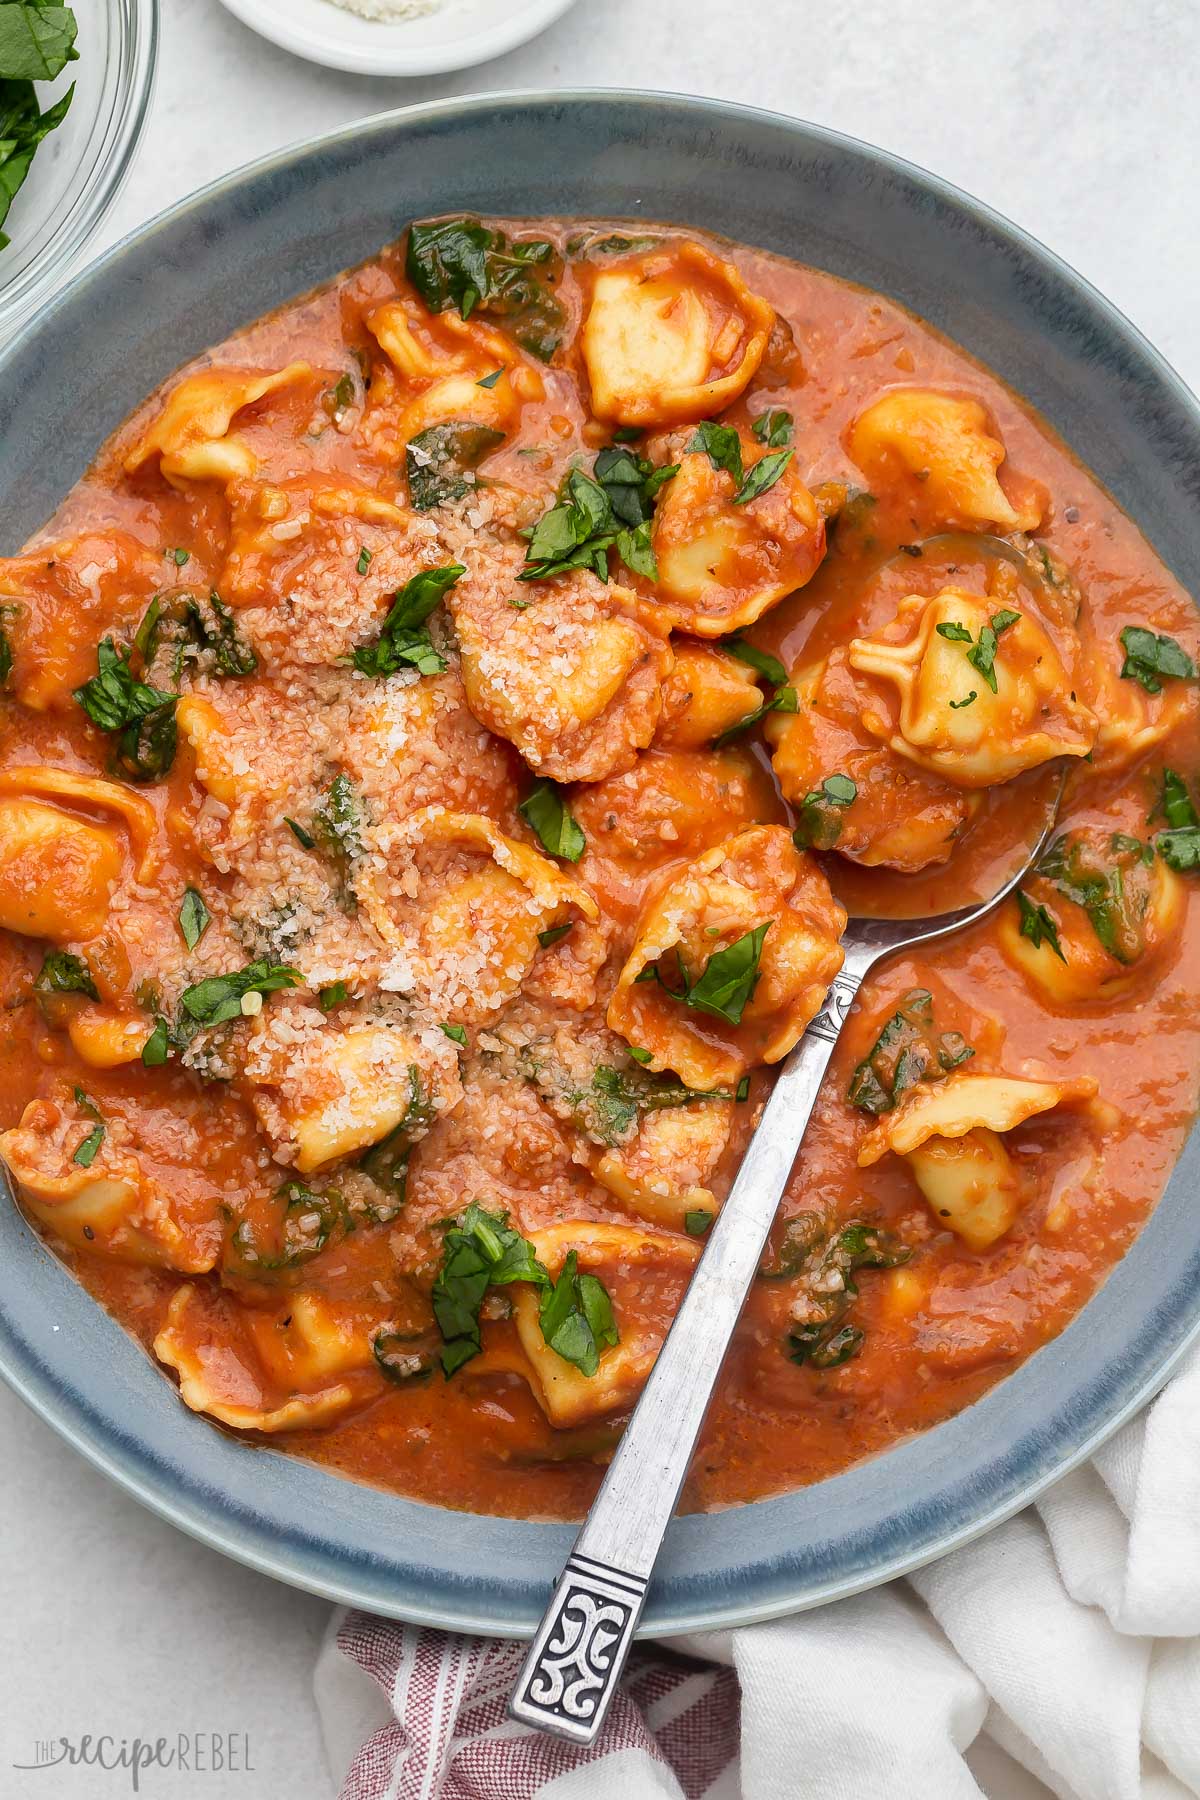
(43, 275)
(192, 1513)
(386, 57)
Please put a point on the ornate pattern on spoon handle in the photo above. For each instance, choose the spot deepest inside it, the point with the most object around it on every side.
(580, 1648)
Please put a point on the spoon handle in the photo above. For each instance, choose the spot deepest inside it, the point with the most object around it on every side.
(579, 1650)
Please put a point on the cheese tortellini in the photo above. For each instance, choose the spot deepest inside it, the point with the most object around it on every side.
(949, 458)
(58, 869)
(973, 725)
(720, 564)
(192, 435)
(644, 1274)
(660, 1174)
(767, 912)
(671, 335)
(706, 693)
(575, 681)
(444, 361)
(1111, 908)
(463, 907)
(950, 1136)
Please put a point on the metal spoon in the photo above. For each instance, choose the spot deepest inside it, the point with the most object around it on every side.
(575, 1661)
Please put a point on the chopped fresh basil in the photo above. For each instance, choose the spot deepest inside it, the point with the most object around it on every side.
(364, 561)
(6, 655)
(762, 476)
(461, 263)
(774, 428)
(697, 1222)
(722, 446)
(727, 982)
(457, 1034)
(554, 934)
(614, 244)
(481, 1251)
(1109, 882)
(489, 381)
(769, 667)
(965, 701)
(62, 973)
(576, 1317)
(157, 1046)
(301, 1222)
(440, 463)
(784, 699)
(181, 628)
(1174, 803)
(820, 813)
(610, 509)
(1038, 925)
(194, 917)
(143, 717)
(403, 1358)
(85, 1156)
(334, 995)
(982, 654)
(301, 836)
(639, 1055)
(337, 827)
(544, 811)
(387, 1161)
(908, 1050)
(954, 632)
(218, 998)
(403, 637)
(824, 1267)
(344, 393)
(1152, 659)
(1180, 849)
(179, 557)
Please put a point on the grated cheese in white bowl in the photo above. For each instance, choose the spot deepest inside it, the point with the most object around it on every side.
(388, 12)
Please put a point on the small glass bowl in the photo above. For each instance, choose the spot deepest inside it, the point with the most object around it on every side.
(79, 169)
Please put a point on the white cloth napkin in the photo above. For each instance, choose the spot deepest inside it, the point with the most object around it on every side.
(1067, 1642)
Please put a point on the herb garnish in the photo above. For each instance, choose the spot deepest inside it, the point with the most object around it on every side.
(403, 637)
(387, 1161)
(1038, 925)
(727, 982)
(337, 829)
(723, 447)
(1179, 845)
(180, 628)
(982, 654)
(820, 822)
(218, 998)
(301, 836)
(1112, 888)
(364, 561)
(194, 917)
(333, 995)
(85, 1155)
(774, 428)
(544, 811)
(697, 1222)
(783, 699)
(440, 462)
(554, 934)
(908, 1050)
(826, 1267)
(610, 509)
(460, 263)
(1152, 659)
(143, 717)
(483, 1251)
(62, 973)
(457, 1034)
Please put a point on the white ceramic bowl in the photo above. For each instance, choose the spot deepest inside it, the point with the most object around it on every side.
(458, 35)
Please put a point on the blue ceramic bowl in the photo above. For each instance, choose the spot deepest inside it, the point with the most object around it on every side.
(241, 248)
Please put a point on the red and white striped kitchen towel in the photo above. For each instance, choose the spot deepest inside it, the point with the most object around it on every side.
(1059, 1654)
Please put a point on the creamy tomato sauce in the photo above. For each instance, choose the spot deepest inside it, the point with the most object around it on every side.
(403, 914)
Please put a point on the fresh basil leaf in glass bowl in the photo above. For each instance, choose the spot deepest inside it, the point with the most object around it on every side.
(64, 161)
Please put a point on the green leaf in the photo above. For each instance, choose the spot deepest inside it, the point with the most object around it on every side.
(612, 507)
(481, 1251)
(22, 128)
(820, 813)
(982, 656)
(85, 1156)
(1152, 659)
(157, 1046)
(1174, 802)
(774, 428)
(403, 638)
(194, 917)
(457, 1034)
(489, 381)
(334, 995)
(6, 655)
(440, 462)
(908, 1050)
(1003, 619)
(178, 557)
(364, 561)
(639, 1055)
(729, 978)
(956, 704)
(576, 1317)
(182, 628)
(36, 41)
(218, 998)
(1180, 849)
(697, 1223)
(545, 812)
(955, 632)
(301, 836)
(722, 445)
(760, 661)
(402, 1358)
(337, 828)
(62, 973)
(113, 699)
(1110, 885)
(763, 475)
(387, 1161)
(554, 934)
(1038, 925)
(461, 263)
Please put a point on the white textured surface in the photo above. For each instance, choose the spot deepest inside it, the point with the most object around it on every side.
(1078, 122)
